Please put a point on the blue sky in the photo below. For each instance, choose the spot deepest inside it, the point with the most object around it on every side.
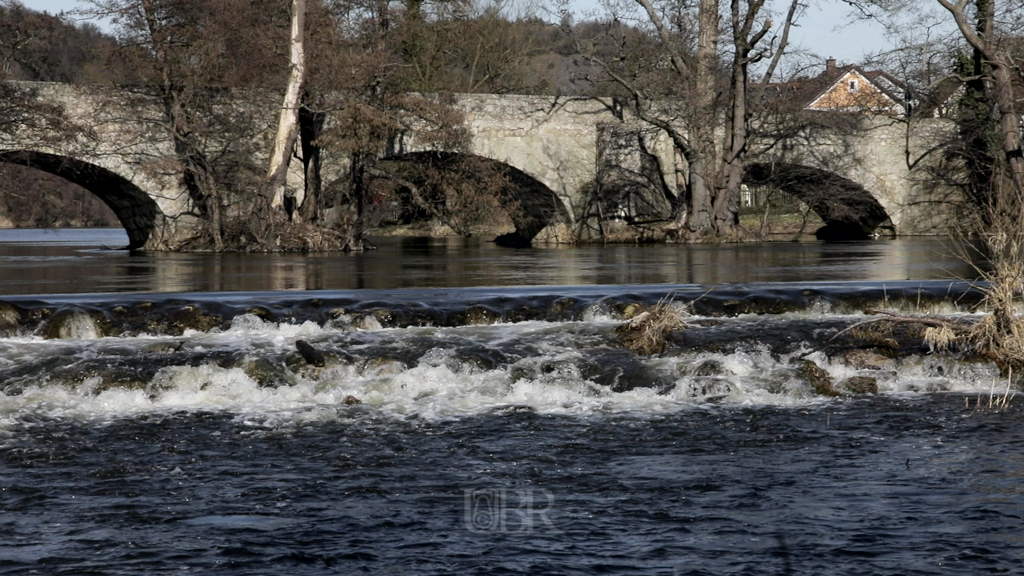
(823, 31)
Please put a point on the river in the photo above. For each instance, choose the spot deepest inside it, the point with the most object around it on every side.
(447, 406)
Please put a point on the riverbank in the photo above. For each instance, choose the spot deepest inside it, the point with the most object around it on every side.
(758, 225)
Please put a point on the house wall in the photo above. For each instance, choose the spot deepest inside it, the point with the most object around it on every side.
(866, 96)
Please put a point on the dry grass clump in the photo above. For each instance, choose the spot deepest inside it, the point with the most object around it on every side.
(995, 233)
(647, 332)
(941, 337)
(999, 335)
(889, 329)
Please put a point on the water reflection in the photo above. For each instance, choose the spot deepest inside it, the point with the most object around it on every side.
(73, 261)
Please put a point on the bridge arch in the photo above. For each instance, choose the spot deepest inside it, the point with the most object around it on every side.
(850, 212)
(529, 202)
(135, 209)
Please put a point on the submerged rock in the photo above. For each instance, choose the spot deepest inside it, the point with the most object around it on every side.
(97, 375)
(10, 317)
(475, 359)
(816, 377)
(708, 388)
(162, 348)
(858, 385)
(630, 310)
(707, 380)
(482, 315)
(623, 374)
(296, 362)
(126, 378)
(261, 312)
(372, 321)
(382, 365)
(191, 317)
(77, 324)
(513, 409)
(476, 315)
(561, 309)
(534, 368)
(862, 359)
(524, 313)
(350, 400)
(267, 373)
(709, 368)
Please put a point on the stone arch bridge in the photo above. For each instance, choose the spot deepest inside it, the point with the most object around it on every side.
(557, 151)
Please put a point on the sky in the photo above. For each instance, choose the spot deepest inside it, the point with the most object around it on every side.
(824, 30)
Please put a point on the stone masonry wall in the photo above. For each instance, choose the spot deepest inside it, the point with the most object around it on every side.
(554, 140)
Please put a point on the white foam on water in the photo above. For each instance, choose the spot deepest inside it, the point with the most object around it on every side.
(600, 312)
(441, 385)
(247, 328)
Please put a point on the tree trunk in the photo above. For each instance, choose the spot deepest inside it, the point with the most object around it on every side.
(726, 207)
(698, 213)
(352, 218)
(202, 189)
(311, 125)
(681, 206)
(727, 203)
(1009, 123)
(707, 53)
(975, 120)
(703, 168)
(288, 123)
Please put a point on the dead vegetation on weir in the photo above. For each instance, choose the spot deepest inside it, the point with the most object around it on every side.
(647, 331)
(994, 233)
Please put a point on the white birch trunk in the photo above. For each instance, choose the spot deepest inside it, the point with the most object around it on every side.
(288, 124)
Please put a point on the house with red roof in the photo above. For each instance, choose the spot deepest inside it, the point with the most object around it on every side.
(848, 89)
(852, 89)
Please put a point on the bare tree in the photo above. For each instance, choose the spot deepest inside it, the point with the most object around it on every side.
(988, 161)
(1002, 70)
(726, 206)
(683, 97)
(205, 62)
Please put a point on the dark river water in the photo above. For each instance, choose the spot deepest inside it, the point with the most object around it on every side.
(60, 261)
(447, 406)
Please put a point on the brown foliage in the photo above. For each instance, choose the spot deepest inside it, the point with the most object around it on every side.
(460, 191)
(42, 47)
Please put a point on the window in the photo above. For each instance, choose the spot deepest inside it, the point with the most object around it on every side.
(853, 85)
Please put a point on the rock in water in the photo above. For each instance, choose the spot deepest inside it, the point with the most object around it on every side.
(74, 323)
(859, 385)
(10, 317)
(816, 377)
(311, 355)
(267, 373)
